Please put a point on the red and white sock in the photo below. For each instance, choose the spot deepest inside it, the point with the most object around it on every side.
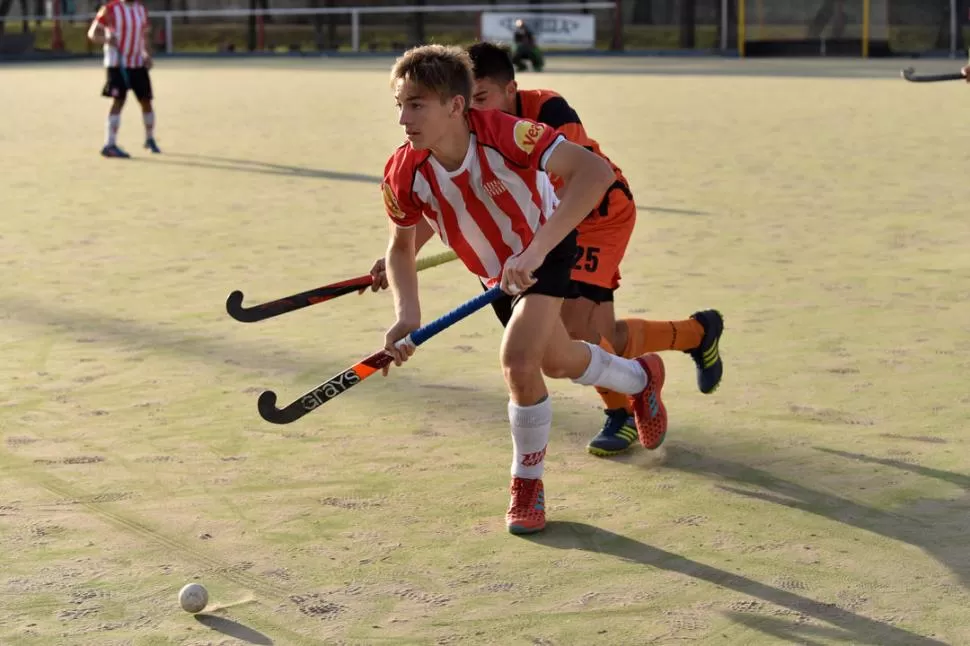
(531, 426)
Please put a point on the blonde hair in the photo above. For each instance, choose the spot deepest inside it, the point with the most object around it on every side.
(445, 71)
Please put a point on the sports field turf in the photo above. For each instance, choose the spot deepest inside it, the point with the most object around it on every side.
(819, 497)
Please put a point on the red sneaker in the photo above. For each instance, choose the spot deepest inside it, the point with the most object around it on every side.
(648, 408)
(527, 508)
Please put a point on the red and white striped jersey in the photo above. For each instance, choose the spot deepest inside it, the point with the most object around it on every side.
(128, 21)
(490, 208)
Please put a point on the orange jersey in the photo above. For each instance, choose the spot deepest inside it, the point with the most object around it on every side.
(548, 107)
(605, 233)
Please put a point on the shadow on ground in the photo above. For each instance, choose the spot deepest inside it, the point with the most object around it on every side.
(234, 629)
(851, 626)
(253, 166)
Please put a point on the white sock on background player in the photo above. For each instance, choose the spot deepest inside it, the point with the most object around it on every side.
(149, 118)
(111, 130)
(611, 372)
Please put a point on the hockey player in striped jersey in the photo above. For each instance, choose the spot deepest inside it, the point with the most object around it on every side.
(481, 180)
(122, 27)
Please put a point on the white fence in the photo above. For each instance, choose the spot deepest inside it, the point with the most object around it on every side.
(606, 15)
(355, 13)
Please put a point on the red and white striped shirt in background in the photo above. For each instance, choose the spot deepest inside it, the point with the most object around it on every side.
(490, 208)
(128, 21)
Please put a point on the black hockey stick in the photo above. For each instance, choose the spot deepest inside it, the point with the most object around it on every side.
(349, 377)
(280, 306)
(910, 75)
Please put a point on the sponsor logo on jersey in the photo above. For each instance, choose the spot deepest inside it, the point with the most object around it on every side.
(527, 135)
(390, 202)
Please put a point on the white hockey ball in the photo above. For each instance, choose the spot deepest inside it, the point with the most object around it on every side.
(193, 598)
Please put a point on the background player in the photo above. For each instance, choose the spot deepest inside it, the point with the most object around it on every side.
(526, 48)
(478, 177)
(603, 238)
(122, 27)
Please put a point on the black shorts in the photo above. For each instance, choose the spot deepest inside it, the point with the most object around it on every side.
(595, 293)
(552, 279)
(138, 81)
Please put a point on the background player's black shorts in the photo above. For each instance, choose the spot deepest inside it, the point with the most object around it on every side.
(591, 292)
(140, 83)
(553, 278)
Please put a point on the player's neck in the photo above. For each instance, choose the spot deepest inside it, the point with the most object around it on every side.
(512, 105)
(450, 152)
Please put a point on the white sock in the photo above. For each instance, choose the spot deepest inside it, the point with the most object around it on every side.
(614, 373)
(149, 118)
(111, 132)
(530, 435)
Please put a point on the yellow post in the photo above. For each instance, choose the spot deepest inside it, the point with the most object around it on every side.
(866, 7)
(741, 28)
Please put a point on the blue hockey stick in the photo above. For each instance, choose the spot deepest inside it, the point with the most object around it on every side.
(345, 379)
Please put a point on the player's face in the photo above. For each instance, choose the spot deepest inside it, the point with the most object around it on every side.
(491, 95)
(426, 119)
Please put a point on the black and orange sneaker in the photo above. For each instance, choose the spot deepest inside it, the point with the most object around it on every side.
(706, 356)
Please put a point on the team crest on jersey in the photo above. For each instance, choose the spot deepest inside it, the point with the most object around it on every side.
(494, 187)
(527, 135)
(390, 202)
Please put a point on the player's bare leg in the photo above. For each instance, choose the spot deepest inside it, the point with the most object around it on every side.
(577, 316)
(536, 345)
(593, 322)
(617, 332)
(111, 148)
(607, 371)
(148, 118)
(597, 323)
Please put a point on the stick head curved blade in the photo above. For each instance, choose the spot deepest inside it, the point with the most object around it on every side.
(267, 406)
(234, 303)
(269, 412)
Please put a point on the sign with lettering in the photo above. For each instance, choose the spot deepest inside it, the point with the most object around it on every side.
(551, 30)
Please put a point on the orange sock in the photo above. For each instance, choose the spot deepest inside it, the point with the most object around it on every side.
(657, 336)
(610, 398)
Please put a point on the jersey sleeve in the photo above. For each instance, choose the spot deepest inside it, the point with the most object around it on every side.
(557, 113)
(524, 142)
(104, 17)
(399, 203)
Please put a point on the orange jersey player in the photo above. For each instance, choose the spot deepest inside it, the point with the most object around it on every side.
(603, 238)
(122, 27)
(478, 179)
